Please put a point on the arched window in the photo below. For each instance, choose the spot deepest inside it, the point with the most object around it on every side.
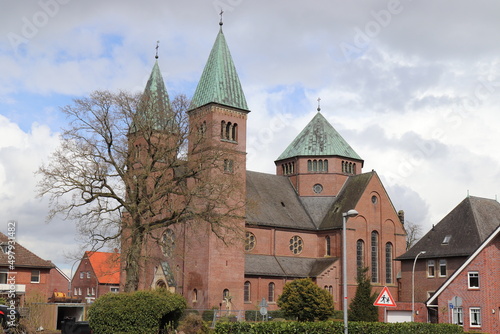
(195, 295)
(225, 294)
(325, 166)
(228, 130)
(246, 292)
(270, 295)
(327, 245)
(374, 256)
(360, 253)
(320, 165)
(315, 165)
(222, 129)
(354, 168)
(309, 166)
(388, 263)
(234, 132)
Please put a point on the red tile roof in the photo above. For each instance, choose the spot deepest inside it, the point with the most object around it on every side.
(22, 256)
(106, 266)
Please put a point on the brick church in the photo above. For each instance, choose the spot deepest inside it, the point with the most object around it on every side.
(293, 219)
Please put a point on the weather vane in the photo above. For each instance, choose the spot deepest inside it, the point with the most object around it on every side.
(157, 46)
(319, 108)
(221, 12)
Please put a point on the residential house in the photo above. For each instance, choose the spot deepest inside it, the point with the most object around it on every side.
(97, 274)
(470, 297)
(447, 246)
(24, 274)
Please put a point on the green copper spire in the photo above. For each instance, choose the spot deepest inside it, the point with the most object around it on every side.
(219, 82)
(319, 138)
(154, 110)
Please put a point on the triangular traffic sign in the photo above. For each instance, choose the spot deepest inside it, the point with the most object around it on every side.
(385, 299)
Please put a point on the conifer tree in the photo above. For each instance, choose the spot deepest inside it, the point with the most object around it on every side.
(362, 308)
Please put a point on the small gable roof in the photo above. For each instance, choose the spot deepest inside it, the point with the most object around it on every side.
(319, 138)
(486, 242)
(460, 232)
(286, 266)
(106, 266)
(24, 257)
(347, 199)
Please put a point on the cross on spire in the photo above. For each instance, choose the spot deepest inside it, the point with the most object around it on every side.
(221, 12)
(319, 107)
(157, 46)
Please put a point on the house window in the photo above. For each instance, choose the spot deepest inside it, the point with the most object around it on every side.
(473, 280)
(75, 293)
(35, 276)
(88, 291)
(360, 253)
(374, 252)
(114, 290)
(3, 277)
(270, 296)
(88, 274)
(458, 316)
(79, 291)
(388, 263)
(93, 292)
(430, 268)
(475, 317)
(250, 241)
(296, 244)
(82, 275)
(246, 292)
(442, 268)
(168, 242)
(327, 245)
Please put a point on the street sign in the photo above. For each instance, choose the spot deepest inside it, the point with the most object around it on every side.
(385, 299)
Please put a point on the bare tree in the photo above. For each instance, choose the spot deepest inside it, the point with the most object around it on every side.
(125, 170)
(413, 233)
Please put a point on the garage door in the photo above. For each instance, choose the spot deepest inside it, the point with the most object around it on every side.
(398, 316)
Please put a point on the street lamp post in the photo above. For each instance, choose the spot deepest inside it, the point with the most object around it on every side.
(413, 286)
(345, 215)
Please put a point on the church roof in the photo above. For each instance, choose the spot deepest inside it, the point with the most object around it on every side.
(286, 266)
(461, 231)
(273, 201)
(154, 108)
(319, 138)
(219, 81)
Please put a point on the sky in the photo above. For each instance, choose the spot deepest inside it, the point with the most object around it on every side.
(413, 86)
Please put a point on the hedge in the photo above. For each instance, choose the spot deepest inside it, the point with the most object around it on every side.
(142, 312)
(335, 327)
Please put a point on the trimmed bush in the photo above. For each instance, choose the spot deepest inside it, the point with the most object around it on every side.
(335, 327)
(142, 312)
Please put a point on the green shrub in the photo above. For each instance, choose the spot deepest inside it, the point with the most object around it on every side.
(192, 323)
(335, 327)
(142, 312)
